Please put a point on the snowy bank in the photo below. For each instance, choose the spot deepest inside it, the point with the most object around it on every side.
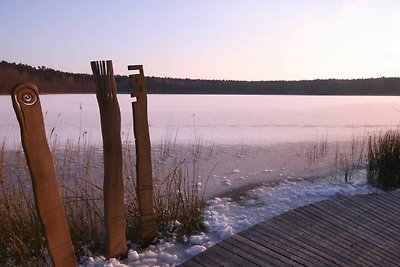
(225, 217)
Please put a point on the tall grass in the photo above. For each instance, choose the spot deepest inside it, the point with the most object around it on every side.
(319, 149)
(178, 199)
(384, 160)
(20, 237)
(348, 160)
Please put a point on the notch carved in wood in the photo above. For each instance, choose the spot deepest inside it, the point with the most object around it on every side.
(26, 104)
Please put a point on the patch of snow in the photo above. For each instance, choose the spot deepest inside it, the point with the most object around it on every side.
(133, 255)
(196, 249)
(197, 239)
(225, 217)
(225, 181)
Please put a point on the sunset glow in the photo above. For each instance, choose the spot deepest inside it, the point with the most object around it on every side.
(239, 40)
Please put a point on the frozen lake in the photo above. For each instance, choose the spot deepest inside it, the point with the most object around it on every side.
(222, 119)
(259, 167)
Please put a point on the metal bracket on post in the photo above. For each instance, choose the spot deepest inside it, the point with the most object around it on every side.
(26, 104)
(113, 186)
(148, 228)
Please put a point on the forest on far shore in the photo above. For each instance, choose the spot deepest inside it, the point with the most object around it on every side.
(51, 81)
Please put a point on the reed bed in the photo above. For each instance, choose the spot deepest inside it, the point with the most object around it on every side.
(179, 198)
(384, 160)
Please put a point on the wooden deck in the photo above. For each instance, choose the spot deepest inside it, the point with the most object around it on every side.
(361, 230)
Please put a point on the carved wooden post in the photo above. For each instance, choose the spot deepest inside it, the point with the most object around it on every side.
(26, 103)
(148, 226)
(113, 186)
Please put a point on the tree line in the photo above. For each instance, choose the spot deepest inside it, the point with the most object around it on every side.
(50, 81)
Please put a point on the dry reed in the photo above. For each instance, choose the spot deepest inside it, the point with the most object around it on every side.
(178, 198)
(384, 160)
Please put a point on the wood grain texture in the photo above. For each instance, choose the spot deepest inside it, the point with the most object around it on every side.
(27, 107)
(360, 230)
(148, 228)
(113, 186)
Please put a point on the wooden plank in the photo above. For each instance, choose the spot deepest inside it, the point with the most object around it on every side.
(275, 257)
(382, 222)
(343, 226)
(393, 196)
(289, 247)
(191, 263)
(344, 250)
(360, 220)
(280, 252)
(344, 231)
(387, 200)
(232, 258)
(381, 203)
(336, 236)
(215, 254)
(314, 247)
(357, 208)
(204, 260)
(383, 237)
(251, 254)
(348, 225)
(288, 231)
(345, 235)
(375, 203)
(377, 211)
(238, 256)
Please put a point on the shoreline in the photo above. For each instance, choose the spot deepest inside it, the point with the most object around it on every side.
(221, 169)
(248, 184)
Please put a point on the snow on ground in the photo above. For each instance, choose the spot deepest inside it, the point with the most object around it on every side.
(225, 217)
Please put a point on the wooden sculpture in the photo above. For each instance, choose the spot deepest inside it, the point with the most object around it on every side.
(148, 228)
(26, 103)
(113, 187)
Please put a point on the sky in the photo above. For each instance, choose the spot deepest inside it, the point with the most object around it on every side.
(208, 39)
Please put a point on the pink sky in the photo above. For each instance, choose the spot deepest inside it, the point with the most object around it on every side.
(225, 39)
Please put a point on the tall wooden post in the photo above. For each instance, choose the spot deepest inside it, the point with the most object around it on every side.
(148, 228)
(26, 103)
(113, 186)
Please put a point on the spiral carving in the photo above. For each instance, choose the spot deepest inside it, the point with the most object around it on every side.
(25, 94)
(29, 98)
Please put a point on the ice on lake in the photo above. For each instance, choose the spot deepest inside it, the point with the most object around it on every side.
(252, 139)
(224, 119)
(248, 132)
